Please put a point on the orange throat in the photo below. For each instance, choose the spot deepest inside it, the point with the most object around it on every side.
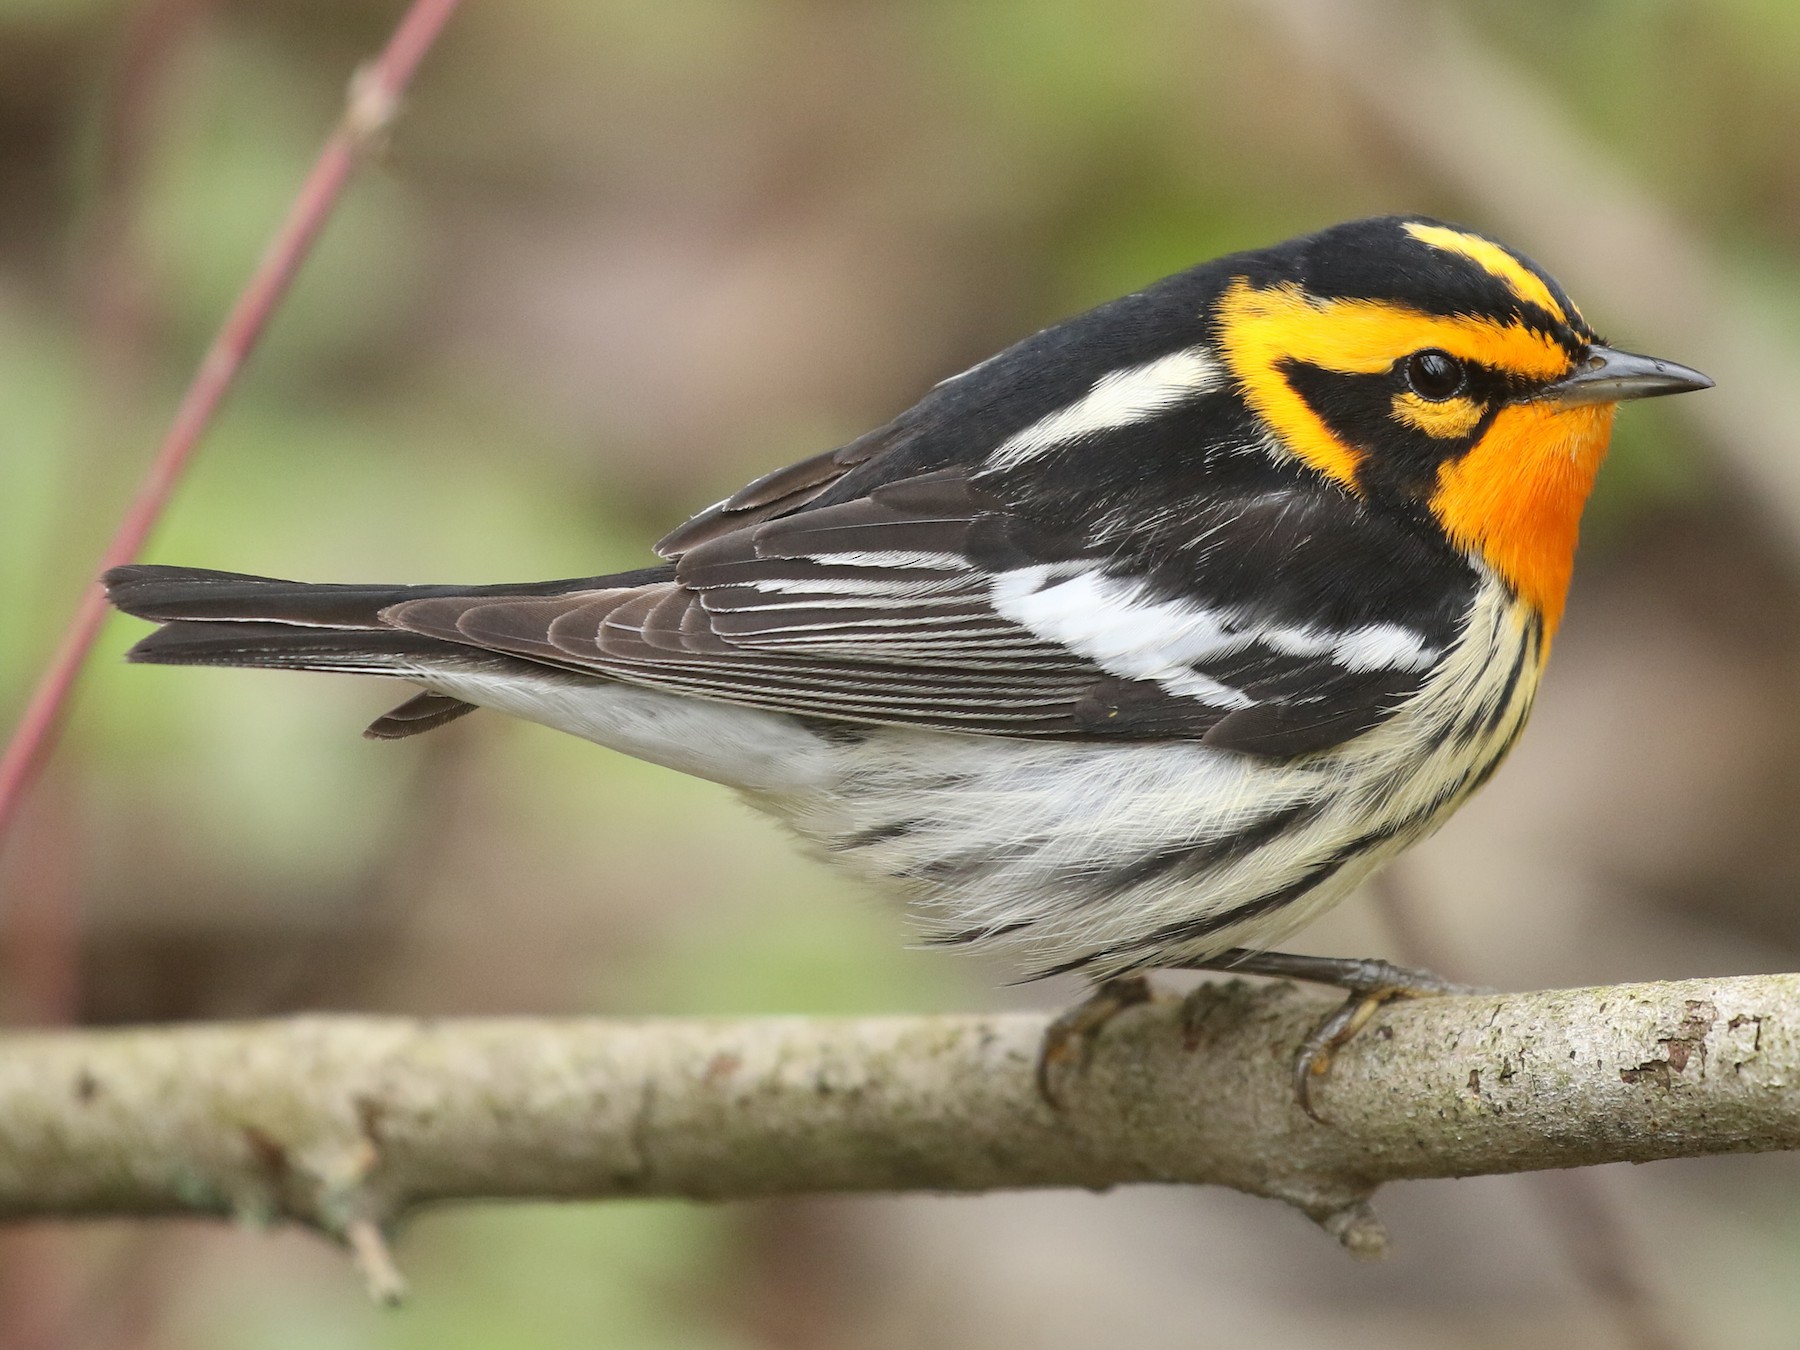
(1516, 497)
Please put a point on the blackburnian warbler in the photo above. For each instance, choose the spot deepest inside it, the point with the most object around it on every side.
(1133, 647)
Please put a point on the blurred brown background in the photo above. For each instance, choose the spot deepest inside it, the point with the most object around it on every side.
(622, 255)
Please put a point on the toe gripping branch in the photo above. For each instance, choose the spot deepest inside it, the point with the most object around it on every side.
(1070, 1039)
(1345, 1214)
(1069, 1042)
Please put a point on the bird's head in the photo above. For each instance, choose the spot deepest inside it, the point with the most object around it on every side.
(1428, 368)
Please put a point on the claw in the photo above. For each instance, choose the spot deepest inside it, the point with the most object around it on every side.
(1069, 1040)
(1371, 984)
(1313, 1059)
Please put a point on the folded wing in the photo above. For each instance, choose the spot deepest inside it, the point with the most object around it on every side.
(925, 603)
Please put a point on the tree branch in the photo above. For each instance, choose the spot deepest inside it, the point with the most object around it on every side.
(348, 1123)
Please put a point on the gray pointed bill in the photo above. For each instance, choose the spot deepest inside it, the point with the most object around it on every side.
(1610, 376)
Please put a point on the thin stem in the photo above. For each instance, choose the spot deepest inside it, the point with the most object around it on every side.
(373, 101)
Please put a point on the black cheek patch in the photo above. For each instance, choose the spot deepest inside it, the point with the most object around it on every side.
(1398, 462)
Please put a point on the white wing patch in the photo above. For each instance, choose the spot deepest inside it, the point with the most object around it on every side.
(1111, 622)
(893, 557)
(1117, 399)
(1115, 623)
(1379, 646)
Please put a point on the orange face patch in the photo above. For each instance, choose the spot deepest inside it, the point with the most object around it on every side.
(1516, 497)
(1262, 330)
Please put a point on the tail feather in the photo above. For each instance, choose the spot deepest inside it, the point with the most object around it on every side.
(233, 619)
(166, 594)
(283, 646)
(423, 712)
(355, 651)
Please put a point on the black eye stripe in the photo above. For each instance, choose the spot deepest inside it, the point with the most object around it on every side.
(1434, 375)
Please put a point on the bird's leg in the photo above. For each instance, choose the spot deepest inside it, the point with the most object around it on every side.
(1069, 1040)
(1370, 984)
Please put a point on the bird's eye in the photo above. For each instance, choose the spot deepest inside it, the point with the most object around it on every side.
(1434, 374)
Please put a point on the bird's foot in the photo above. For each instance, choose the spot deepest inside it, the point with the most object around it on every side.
(1069, 1040)
(1370, 983)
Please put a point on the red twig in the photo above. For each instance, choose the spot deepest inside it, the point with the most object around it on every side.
(374, 99)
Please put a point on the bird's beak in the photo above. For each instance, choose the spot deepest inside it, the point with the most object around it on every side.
(1608, 376)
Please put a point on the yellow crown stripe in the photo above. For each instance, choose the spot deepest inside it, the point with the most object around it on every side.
(1491, 258)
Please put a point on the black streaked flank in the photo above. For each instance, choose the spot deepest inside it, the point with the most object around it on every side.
(1530, 653)
(838, 733)
(1158, 940)
(1189, 858)
(877, 834)
(970, 864)
(982, 934)
(1486, 771)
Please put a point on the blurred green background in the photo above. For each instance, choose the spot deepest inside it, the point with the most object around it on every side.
(621, 256)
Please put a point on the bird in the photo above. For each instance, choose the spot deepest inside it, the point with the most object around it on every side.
(1133, 647)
